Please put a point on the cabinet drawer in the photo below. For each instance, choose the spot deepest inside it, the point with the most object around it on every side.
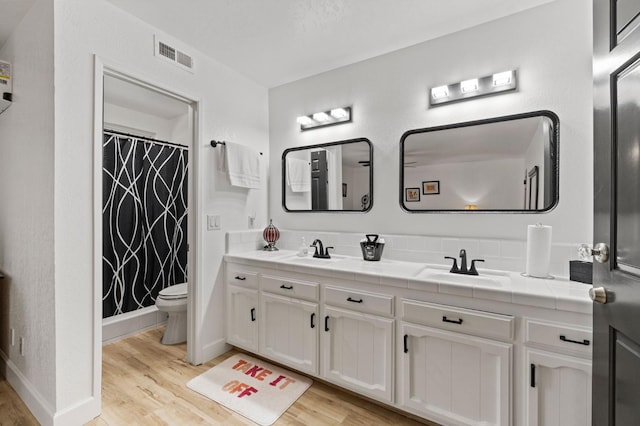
(477, 323)
(559, 336)
(242, 275)
(289, 287)
(359, 300)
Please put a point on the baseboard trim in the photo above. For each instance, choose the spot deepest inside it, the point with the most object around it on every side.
(35, 402)
(215, 349)
(78, 414)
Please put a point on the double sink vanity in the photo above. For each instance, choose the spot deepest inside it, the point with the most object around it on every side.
(493, 349)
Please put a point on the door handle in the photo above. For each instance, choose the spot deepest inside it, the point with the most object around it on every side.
(600, 252)
(598, 294)
(253, 314)
(313, 316)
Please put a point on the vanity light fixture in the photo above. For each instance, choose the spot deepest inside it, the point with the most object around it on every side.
(325, 118)
(474, 87)
(469, 86)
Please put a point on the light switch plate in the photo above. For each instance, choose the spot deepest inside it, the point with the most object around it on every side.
(213, 222)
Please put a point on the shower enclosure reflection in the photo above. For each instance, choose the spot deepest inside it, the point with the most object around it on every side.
(506, 164)
(334, 176)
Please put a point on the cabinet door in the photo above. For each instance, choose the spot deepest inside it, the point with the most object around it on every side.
(289, 332)
(242, 325)
(357, 352)
(559, 390)
(454, 378)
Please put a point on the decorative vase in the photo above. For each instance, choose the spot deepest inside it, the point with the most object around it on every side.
(271, 234)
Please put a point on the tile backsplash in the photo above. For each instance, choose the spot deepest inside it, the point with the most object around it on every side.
(508, 255)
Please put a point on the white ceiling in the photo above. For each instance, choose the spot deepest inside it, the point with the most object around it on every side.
(278, 41)
(131, 96)
(498, 140)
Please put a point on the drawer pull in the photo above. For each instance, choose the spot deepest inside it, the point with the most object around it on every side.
(313, 317)
(253, 314)
(286, 287)
(533, 376)
(458, 321)
(238, 277)
(326, 323)
(406, 341)
(349, 299)
(585, 342)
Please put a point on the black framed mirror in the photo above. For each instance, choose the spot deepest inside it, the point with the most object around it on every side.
(502, 164)
(328, 177)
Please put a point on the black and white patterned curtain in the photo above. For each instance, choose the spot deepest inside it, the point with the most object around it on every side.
(144, 220)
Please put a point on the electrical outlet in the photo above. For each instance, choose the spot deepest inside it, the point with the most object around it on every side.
(12, 333)
(22, 346)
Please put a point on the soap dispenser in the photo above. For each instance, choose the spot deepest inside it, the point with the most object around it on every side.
(303, 250)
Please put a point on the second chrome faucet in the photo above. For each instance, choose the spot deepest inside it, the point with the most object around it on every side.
(463, 264)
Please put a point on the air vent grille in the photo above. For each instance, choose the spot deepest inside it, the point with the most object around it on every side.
(184, 59)
(169, 51)
(166, 51)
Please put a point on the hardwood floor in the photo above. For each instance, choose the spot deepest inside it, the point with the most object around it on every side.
(144, 383)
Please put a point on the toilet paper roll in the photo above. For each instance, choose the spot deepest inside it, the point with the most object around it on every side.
(538, 250)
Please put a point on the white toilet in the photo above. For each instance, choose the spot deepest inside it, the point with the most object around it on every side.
(173, 301)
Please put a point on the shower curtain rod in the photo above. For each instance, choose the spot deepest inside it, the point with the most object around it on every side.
(145, 138)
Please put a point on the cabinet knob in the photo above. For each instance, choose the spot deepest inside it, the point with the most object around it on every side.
(598, 294)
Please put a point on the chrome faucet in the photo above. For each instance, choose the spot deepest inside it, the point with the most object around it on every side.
(463, 264)
(321, 252)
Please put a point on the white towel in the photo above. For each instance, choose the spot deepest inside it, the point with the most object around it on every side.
(242, 164)
(298, 175)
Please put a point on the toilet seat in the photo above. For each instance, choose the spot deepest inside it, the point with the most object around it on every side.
(177, 291)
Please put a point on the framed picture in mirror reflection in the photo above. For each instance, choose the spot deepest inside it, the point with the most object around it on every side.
(431, 187)
(412, 194)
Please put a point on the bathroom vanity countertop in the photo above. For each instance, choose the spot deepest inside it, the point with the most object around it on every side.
(503, 286)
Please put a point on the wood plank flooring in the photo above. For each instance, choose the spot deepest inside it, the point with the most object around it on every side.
(144, 383)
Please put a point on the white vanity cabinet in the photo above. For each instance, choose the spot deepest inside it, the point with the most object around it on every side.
(455, 377)
(242, 307)
(289, 325)
(515, 354)
(357, 341)
(558, 385)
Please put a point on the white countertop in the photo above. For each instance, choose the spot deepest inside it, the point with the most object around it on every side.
(503, 286)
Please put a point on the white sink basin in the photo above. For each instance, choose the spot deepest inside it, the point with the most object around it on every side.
(496, 280)
(310, 260)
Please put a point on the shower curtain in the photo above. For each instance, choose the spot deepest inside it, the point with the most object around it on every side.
(144, 221)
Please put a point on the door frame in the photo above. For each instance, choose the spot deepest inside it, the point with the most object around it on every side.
(104, 67)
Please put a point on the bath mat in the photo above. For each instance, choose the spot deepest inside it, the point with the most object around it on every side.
(251, 387)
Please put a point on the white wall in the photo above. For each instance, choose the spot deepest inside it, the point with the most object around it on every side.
(162, 128)
(389, 96)
(491, 184)
(234, 109)
(26, 211)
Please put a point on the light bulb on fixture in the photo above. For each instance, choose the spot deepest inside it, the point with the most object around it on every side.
(502, 78)
(304, 120)
(468, 86)
(321, 117)
(339, 113)
(440, 92)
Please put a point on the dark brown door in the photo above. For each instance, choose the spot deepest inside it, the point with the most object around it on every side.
(616, 279)
(319, 180)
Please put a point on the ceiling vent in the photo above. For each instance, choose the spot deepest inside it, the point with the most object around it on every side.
(167, 50)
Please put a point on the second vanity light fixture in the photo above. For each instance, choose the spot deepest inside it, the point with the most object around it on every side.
(481, 86)
(325, 118)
